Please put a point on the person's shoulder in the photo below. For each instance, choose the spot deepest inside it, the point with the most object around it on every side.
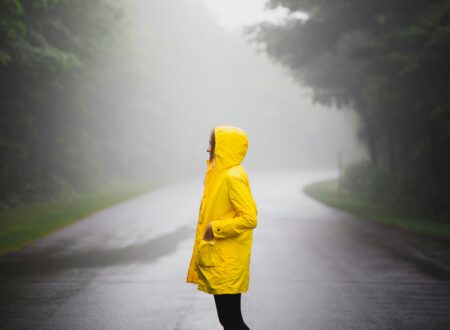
(237, 172)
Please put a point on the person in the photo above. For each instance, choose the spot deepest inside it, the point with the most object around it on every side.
(220, 262)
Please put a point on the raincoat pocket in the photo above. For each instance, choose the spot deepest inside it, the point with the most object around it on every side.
(207, 253)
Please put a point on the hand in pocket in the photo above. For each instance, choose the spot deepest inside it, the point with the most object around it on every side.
(207, 253)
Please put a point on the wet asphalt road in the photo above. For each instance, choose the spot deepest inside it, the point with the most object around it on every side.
(312, 267)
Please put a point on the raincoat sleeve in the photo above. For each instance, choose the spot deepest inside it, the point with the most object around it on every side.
(242, 200)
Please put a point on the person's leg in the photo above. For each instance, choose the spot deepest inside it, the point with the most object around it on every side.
(229, 311)
(220, 307)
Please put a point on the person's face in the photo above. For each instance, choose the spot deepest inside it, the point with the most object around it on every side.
(209, 147)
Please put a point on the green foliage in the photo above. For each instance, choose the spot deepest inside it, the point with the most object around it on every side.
(50, 59)
(4, 57)
(46, 4)
(47, 51)
(11, 27)
(22, 225)
(372, 209)
(372, 184)
(389, 62)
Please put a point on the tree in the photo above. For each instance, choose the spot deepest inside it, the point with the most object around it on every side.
(48, 49)
(387, 60)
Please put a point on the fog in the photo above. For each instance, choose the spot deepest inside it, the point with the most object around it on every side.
(185, 74)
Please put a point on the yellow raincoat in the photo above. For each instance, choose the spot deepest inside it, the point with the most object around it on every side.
(222, 266)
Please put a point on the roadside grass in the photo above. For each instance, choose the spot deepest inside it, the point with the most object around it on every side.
(22, 225)
(327, 192)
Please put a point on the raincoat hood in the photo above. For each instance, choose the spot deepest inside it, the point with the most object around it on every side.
(231, 147)
(222, 265)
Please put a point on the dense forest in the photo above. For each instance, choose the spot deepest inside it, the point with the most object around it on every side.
(388, 61)
(48, 49)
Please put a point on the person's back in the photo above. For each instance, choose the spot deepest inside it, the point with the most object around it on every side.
(220, 262)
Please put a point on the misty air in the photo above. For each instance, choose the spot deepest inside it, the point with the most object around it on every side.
(224, 164)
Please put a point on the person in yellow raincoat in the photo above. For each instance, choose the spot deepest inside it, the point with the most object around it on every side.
(220, 263)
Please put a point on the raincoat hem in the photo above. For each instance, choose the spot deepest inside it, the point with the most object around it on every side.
(222, 291)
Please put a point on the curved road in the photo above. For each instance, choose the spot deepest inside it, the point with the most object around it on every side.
(313, 267)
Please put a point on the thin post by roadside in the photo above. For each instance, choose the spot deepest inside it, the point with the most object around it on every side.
(339, 163)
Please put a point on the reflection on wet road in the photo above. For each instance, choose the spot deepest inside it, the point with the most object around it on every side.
(312, 267)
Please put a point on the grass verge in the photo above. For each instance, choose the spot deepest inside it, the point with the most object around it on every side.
(22, 225)
(327, 192)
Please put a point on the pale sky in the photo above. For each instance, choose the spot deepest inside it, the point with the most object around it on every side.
(234, 14)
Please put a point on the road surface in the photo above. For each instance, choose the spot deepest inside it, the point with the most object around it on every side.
(312, 267)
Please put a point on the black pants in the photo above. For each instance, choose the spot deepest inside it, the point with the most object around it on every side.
(229, 311)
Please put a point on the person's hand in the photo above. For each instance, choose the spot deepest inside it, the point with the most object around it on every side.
(208, 236)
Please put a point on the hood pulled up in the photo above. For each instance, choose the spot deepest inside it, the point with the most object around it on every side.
(231, 146)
